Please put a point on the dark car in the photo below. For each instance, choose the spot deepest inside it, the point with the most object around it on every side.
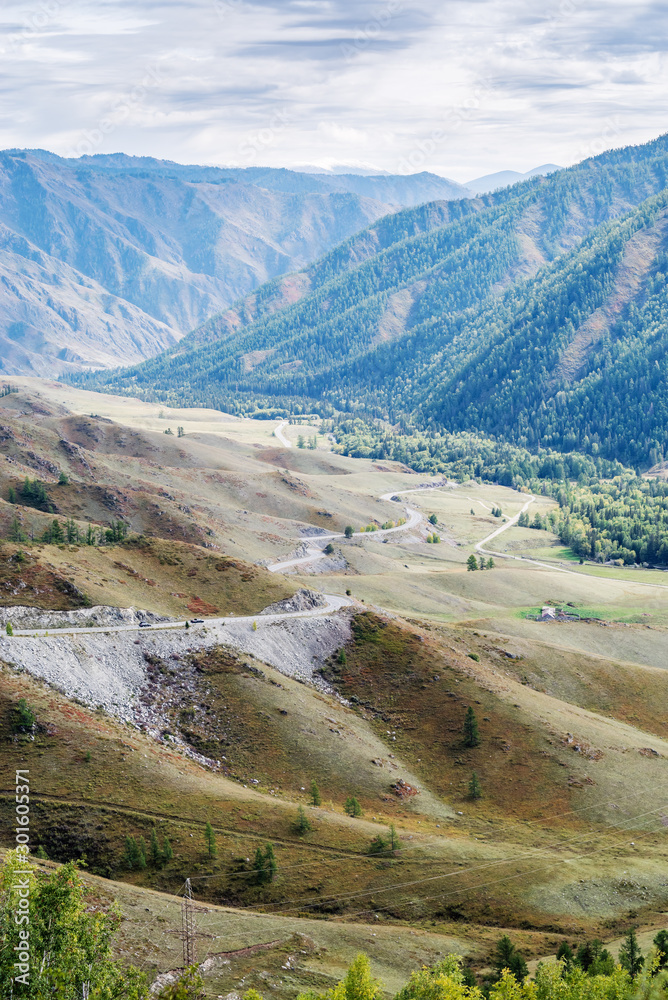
(196, 621)
(144, 624)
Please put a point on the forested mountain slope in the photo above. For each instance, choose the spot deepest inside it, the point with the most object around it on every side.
(531, 313)
(116, 257)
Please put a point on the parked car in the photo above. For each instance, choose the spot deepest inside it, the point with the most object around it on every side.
(196, 621)
(144, 624)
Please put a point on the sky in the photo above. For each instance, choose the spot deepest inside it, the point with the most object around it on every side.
(457, 87)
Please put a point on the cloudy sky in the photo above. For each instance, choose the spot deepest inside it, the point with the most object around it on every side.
(459, 87)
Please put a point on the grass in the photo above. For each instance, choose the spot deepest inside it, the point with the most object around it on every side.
(210, 507)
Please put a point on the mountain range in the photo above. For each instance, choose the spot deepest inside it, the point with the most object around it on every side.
(536, 313)
(116, 257)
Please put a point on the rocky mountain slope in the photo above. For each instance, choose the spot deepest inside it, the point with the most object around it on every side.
(114, 258)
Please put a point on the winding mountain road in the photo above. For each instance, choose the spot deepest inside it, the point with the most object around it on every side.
(278, 432)
(334, 602)
(315, 552)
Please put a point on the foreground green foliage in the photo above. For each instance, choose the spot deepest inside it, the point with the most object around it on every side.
(448, 980)
(69, 945)
(56, 941)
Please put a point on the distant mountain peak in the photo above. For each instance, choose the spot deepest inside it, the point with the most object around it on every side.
(504, 178)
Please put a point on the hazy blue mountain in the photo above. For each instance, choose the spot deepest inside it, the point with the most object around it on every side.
(501, 179)
(116, 257)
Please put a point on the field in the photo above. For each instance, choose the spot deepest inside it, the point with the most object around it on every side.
(568, 839)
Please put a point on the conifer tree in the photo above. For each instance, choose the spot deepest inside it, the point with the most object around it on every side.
(471, 734)
(258, 865)
(302, 824)
(506, 956)
(352, 807)
(155, 854)
(16, 532)
(475, 788)
(141, 847)
(315, 794)
(210, 839)
(661, 945)
(630, 956)
(393, 840)
(471, 563)
(265, 866)
(167, 852)
(270, 864)
(131, 856)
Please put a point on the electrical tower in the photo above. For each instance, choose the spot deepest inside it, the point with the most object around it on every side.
(188, 926)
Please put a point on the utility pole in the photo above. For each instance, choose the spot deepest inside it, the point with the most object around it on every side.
(188, 926)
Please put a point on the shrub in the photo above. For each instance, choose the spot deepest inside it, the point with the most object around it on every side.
(24, 717)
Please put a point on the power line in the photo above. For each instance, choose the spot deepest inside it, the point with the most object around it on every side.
(452, 874)
(416, 847)
(188, 927)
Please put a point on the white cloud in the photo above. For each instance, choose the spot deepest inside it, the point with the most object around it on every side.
(470, 87)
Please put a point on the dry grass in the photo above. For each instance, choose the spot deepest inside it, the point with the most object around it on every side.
(554, 823)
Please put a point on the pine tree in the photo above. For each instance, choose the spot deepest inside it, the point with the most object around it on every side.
(11, 495)
(131, 856)
(16, 532)
(270, 864)
(433, 519)
(352, 807)
(471, 734)
(315, 794)
(490, 563)
(630, 956)
(155, 854)
(342, 658)
(482, 563)
(9, 628)
(210, 838)
(506, 956)
(141, 848)
(302, 824)
(661, 945)
(565, 955)
(378, 845)
(167, 852)
(475, 788)
(393, 840)
(258, 866)
(265, 865)
(471, 563)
